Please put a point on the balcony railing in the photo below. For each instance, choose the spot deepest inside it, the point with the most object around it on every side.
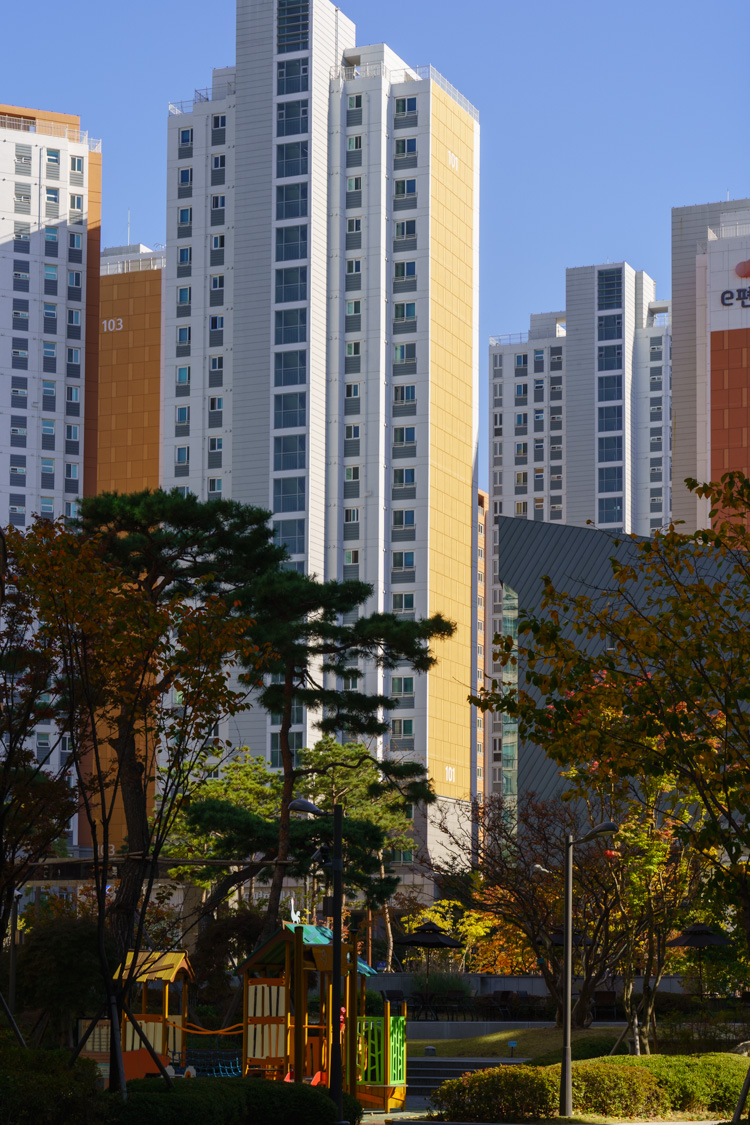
(509, 338)
(218, 93)
(50, 129)
(408, 74)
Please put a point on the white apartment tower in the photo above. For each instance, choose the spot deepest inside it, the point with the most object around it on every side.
(580, 407)
(50, 204)
(321, 328)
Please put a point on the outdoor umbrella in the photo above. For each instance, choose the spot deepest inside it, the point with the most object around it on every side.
(699, 936)
(428, 936)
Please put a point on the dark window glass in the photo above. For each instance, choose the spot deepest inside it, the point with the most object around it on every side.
(291, 76)
(610, 327)
(293, 26)
(289, 410)
(610, 449)
(610, 509)
(289, 452)
(610, 479)
(609, 357)
(291, 159)
(290, 369)
(610, 417)
(291, 284)
(291, 201)
(610, 289)
(289, 494)
(290, 534)
(291, 243)
(610, 387)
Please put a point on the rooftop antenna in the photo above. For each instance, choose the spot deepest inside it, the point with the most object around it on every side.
(128, 242)
(727, 195)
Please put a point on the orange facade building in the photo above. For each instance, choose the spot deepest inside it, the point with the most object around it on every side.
(130, 369)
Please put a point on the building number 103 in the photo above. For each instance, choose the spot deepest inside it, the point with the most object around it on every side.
(113, 325)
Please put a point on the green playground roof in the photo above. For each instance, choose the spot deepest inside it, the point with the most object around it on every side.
(273, 951)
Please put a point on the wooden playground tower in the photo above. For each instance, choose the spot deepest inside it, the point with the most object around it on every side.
(283, 1040)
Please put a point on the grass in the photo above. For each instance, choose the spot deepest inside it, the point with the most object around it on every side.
(531, 1042)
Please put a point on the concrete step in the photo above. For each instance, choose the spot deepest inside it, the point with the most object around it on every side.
(424, 1075)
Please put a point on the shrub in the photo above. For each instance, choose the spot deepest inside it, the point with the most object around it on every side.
(694, 1083)
(616, 1090)
(503, 1093)
(228, 1101)
(41, 1088)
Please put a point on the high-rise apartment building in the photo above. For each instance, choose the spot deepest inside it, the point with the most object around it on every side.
(580, 425)
(130, 369)
(711, 310)
(321, 329)
(50, 211)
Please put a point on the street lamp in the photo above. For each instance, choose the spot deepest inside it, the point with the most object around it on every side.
(566, 1084)
(335, 1080)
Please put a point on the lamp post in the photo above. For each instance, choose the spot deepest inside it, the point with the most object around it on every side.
(335, 1078)
(566, 1085)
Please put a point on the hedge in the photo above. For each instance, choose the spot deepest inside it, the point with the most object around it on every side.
(695, 1083)
(649, 1086)
(228, 1101)
(584, 1048)
(41, 1088)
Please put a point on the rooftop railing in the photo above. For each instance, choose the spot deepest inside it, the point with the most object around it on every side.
(133, 265)
(407, 74)
(50, 129)
(729, 230)
(211, 94)
(509, 338)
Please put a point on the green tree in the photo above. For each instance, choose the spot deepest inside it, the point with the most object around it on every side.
(302, 623)
(667, 695)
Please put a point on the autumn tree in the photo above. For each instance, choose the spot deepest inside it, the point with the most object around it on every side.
(143, 665)
(647, 678)
(307, 626)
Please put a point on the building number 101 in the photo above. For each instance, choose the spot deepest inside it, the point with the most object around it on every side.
(114, 325)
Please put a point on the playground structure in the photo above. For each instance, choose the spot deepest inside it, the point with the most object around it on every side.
(286, 1041)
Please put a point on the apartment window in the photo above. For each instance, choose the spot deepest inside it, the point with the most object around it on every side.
(292, 76)
(403, 353)
(74, 279)
(217, 282)
(522, 419)
(47, 505)
(185, 136)
(609, 357)
(353, 226)
(290, 534)
(522, 360)
(215, 444)
(74, 355)
(183, 336)
(182, 455)
(406, 146)
(183, 376)
(183, 295)
(71, 471)
(216, 323)
(290, 368)
(51, 235)
(522, 449)
(404, 435)
(289, 494)
(219, 121)
(353, 308)
(76, 164)
(185, 216)
(402, 270)
(354, 101)
(292, 159)
(184, 177)
(403, 517)
(52, 194)
(609, 285)
(53, 156)
(405, 187)
(522, 479)
(403, 560)
(407, 392)
(610, 418)
(291, 118)
(353, 265)
(182, 415)
(72, 433)
(406, 105)
(215, 485)
(50, 273)
(74, 318)
(217, 242)
(351, 515)
(539, 360)
(48, 388)
(351, 558)
(48, 427)
(610, 387)
(406, 310)
(291, 201)
(407, 229)
(610, 327)
(291, 326)
(291, 243)
(402, 685)
(76, 203)
(354, 144)
(351, 433)
(218, 202)
(522, 390)
(289, 410)
(521, 507)
(610, 509)
(610, 479)
(19, 353)
(216, 403)
(610, 449)
(47, 466)
(291, 284)
(352, 390)
(403, 603)
(351, 473)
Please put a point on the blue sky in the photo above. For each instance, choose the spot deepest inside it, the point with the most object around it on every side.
(596, 118)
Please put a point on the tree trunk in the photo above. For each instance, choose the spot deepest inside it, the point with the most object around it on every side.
(277, 880)
(134, 796)
(387, 923)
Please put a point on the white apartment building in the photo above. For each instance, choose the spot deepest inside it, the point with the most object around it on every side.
(321, 329)
(580, 423)
(50, 202)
